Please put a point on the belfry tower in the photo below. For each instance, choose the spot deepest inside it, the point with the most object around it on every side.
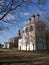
(18, 34)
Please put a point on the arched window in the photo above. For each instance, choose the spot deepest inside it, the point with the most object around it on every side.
(26, 30)
(31, 28)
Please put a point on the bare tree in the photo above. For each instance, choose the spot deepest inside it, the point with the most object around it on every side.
(7, 6)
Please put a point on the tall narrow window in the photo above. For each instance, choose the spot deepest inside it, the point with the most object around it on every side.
(26, 30)
(31, 28)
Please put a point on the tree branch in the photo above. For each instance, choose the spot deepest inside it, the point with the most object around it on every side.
(9, 9)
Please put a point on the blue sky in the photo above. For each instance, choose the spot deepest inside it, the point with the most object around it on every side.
(19, 17)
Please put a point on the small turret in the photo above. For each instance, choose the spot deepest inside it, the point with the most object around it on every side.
(18, 34)
(33, 18)
(29, 21)
(37, 17)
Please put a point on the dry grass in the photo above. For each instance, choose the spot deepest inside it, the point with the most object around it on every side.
(13, 57)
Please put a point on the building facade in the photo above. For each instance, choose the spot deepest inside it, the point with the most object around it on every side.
(33, 35)
(13, 42)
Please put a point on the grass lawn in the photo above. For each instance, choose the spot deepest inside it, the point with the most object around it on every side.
(37, 51)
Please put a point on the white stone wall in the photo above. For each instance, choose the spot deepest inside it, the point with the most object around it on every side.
(32, 40)
(28, 42)
(4, 46)
(8, 45)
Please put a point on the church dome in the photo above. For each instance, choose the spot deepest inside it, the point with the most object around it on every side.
(29, 21)
(33, 15)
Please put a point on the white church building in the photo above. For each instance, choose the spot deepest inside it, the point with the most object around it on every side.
(33, 35)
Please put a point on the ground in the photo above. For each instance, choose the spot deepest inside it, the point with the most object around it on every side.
(14, 57)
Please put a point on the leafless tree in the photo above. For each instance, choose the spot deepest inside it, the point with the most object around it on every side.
(7, 6)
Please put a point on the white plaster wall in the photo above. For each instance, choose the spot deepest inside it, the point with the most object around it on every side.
(32, 40)
(31, 44)
(31, 47)
(4, 46)
(19, 44)
(23, 47)
(8, 45)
